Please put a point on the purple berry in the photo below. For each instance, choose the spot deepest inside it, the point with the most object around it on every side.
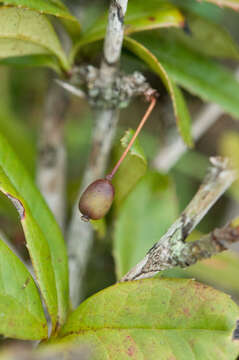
(96, 200)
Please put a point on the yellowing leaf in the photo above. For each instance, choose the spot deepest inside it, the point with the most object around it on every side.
(26, 32)
(155, 319)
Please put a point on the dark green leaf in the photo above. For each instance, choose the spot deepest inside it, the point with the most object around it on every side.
(131, 170)
(206, 38)
(44, 239)
(206, 10)
(233, 4)
(180, 108)
(196, 73)
(26, 32)
(156, 319)
(21, 310)
(32, 60)
(143, 218)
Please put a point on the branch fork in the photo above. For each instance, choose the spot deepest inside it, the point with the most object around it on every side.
(172, 250)
(86, 82)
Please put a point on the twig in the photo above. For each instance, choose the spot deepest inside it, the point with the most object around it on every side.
(172, 151)
(80, 234)
(51, 170)
(137, 131)
(171, 250)
(211, 244)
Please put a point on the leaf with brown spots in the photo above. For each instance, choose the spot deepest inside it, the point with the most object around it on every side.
(155, 319)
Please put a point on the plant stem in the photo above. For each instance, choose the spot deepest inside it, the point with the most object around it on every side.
(51, 171)
(80, 234)
(141, 124)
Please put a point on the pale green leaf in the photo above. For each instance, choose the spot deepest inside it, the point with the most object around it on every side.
(229, 147)
(155, 319)
(131, 169)
(181, 112)
(196, 73)
(100, 227)
(221, 271)
(44, 239)
(21, 310)
(26, 32)
(143, 218)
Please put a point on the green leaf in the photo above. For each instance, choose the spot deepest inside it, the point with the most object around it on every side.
(49, 7)
(181, 112)
(37, 246)
(140, 16)
(206, 38)
(44, 239)
(233, 4)
(193, 71)
(33, 61)
(229, 147)
(21, 310)
(26, 32)
(100, 227)
(18, 135)
(131, 170)
(156, 319)
(143, 218)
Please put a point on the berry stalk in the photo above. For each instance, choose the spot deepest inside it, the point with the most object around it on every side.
(141, 124)
(97, 199)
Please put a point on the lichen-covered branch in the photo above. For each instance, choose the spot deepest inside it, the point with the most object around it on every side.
(80, 234)
(211, 244)
(51, 170)
(172, 250)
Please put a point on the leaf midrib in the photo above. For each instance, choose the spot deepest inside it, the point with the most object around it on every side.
(140, 328)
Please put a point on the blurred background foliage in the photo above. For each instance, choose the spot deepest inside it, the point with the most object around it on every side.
(150, 201)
